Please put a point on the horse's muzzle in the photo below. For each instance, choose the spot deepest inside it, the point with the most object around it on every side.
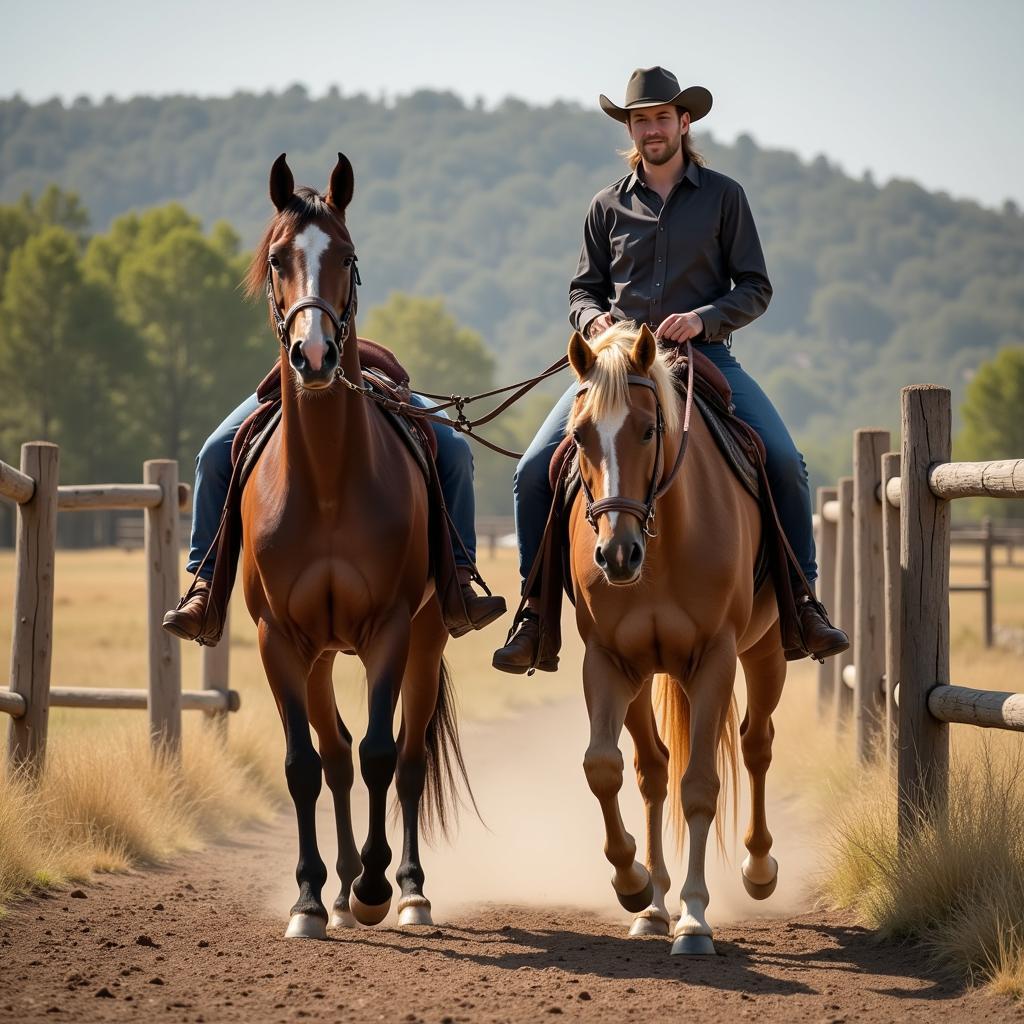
(323, 375)
(620, 560)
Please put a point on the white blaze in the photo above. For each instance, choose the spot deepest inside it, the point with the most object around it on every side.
(608, 430)
(310, 245)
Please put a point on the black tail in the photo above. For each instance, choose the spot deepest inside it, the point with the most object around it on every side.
(446, 769)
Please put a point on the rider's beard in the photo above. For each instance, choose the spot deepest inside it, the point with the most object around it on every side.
(669, 148)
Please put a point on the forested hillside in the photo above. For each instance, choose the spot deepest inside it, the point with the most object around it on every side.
(874, 287)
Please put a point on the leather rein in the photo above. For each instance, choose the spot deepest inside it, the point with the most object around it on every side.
(342, 325)
(645, 510)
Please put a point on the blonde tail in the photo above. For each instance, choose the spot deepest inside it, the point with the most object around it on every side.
(674, 715)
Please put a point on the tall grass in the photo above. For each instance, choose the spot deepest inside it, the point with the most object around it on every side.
(109, 805)
(958, 885)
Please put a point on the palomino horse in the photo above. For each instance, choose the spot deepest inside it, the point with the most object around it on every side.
(335, 558)
(667, 598)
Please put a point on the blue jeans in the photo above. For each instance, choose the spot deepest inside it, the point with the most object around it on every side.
(787, 473)
(213, 472)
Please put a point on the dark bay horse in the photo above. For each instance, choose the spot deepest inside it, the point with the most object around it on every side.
(336, 558)
(665, 596)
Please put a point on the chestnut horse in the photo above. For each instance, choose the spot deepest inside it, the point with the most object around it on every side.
(665, 595)
(336, 558)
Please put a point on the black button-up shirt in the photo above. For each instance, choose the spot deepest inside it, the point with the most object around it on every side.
(643, 259)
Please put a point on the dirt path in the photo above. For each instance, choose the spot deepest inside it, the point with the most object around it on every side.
(200, 940)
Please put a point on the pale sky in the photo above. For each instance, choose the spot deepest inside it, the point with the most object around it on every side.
(906, 88)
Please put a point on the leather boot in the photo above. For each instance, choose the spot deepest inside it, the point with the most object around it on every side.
(189, 621)
(519, 653)
(820, 639)
(481, 609)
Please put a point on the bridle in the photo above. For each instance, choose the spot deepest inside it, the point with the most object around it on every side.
(283, 321)
(644, 510)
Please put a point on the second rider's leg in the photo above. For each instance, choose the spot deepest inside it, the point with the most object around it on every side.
(213, 473)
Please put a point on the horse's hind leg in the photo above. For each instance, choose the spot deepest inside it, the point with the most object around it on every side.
(710, 694)
(765, 669)
(385, 662)
(609, 693)
(652, 777)
(336, 754)
(419, 698)
(287, 673)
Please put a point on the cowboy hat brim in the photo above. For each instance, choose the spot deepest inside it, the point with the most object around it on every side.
(696, 100)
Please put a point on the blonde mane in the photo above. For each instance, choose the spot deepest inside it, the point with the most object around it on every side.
(609, 389)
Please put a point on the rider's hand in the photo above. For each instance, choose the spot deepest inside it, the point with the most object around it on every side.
(679, 327)
(599, 324)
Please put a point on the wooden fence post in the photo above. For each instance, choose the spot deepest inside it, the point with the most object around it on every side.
(844, 600)
(32, 633)
(891, 580)
(216, 663)
(924, 619)
(990, 583)
(869, 615)
(162, 556)
(826, 589)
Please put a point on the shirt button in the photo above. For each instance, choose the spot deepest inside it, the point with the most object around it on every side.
(657, 284)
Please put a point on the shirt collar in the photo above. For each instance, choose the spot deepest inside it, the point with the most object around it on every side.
(691, 174)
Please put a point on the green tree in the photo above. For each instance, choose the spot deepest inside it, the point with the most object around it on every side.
(440, 355)
(64, 355)
(993, 409)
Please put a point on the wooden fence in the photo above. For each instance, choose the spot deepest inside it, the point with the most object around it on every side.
(884, 540)
(39, 497)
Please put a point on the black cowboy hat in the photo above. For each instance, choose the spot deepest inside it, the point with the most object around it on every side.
(653, 87)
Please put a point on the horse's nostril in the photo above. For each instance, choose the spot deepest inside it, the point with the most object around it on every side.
(599, 557)
(636, 556)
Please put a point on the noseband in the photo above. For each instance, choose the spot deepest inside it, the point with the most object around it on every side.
(644, 510)
(283, 321)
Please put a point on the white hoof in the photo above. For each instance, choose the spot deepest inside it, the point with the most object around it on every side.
(366, 914)
(414, 912)
(341, 919)
(761, 877)
(693, 945)
(306, 926)
(648, 926)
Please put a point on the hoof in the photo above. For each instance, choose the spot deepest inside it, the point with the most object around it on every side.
(648, 926)
(637, 901)
(341, 918)
(366, 914)
(693, 945)
(306, 926)
(760, 890)
(414, 912)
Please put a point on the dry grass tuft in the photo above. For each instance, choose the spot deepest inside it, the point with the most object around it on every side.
(105, 806)
(958, 886)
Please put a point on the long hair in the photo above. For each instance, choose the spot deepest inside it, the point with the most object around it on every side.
(690, 152)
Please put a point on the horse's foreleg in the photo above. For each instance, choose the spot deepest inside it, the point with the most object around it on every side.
(287, 673)
(419, 698)
(709, 692)
(652, 777)
(336, 754)
(385, 664)
(765, 670)
(609, 694)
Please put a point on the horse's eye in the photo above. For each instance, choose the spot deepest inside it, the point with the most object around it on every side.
(347, 262)
(648, 433)
(274, 261)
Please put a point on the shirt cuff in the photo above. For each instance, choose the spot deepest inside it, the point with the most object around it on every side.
(712, 320)
(586, 318)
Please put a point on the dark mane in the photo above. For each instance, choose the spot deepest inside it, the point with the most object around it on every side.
(305, 206)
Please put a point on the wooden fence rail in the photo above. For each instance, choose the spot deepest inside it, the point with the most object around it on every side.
(35, 490)
(895, 515)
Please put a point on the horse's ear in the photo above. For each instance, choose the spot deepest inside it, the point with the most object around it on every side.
(282, 184)
(645, 350)
(343, 180)
(581, 355)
